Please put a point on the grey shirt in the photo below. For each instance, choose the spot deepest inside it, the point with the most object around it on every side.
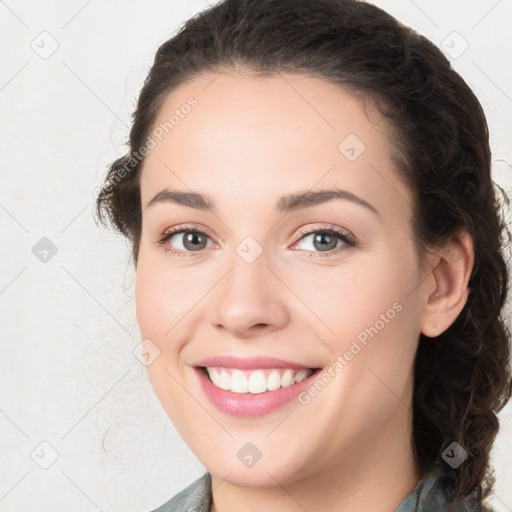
(427, 496)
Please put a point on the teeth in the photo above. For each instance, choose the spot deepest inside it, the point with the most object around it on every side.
(303, 374)
(287, 379)
(225, 381)
(239, 382)
(255, 381)
(273, 381)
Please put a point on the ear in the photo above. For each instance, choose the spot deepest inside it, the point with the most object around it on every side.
(446, 291)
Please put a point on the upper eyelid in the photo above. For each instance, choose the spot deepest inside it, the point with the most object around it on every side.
(178, 230)
(302, 231)
(335, 229)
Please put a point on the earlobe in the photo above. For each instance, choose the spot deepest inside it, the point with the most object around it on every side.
(450, 277)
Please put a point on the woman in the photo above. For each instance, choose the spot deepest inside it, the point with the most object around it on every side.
(318, 270)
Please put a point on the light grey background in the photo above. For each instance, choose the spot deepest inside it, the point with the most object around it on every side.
(68, 374)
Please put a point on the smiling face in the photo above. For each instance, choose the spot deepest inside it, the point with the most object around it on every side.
(255, 272)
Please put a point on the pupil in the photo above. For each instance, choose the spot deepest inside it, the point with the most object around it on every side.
(192, 238)
(320, 237)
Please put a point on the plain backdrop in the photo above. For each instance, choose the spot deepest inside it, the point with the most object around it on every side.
(81, 427)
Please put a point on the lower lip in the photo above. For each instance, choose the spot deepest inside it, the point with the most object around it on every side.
(251, 404)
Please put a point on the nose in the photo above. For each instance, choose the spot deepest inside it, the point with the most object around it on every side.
(250, 300)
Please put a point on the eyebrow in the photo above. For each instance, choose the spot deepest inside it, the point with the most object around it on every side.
(285, 204)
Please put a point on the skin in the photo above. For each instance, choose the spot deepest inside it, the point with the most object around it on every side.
(248, 142)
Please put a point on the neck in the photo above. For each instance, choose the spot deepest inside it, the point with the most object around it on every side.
(380, 471)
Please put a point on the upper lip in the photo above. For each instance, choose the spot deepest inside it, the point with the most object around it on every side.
(244, 363)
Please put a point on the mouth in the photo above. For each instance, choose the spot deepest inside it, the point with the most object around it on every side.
(255, 381)
(253, 392)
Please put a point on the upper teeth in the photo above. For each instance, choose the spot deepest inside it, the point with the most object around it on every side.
(256, 381)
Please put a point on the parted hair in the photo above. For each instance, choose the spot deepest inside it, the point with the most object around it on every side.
(440, 149)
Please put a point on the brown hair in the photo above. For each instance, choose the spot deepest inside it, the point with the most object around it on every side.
(441, 141)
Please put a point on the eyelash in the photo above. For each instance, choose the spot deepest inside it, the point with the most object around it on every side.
(332, 230)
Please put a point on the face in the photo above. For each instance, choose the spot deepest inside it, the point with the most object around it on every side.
(257, 268)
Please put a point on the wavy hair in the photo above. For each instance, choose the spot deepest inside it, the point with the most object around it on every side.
(462, 378)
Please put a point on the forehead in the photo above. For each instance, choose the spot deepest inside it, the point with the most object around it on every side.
(248, 137)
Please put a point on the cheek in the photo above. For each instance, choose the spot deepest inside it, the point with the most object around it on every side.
(148, 300)
(162, 297)
(371, 317)
(156, 311)
(374, 345)
(377, 332)
(166, 307)
(349, 299)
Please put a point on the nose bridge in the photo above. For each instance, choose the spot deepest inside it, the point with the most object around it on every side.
(247, 296)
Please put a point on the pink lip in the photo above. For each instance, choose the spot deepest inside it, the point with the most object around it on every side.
(248, 363)
(249, 404)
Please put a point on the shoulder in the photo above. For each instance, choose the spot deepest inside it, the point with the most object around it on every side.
(194, 498)
(430, 496)
(470, 505)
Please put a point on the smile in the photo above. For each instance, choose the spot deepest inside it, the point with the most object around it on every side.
(255, 392)
(256, 381)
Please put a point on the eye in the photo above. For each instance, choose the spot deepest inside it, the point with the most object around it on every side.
(325, 240)
(189, 239)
